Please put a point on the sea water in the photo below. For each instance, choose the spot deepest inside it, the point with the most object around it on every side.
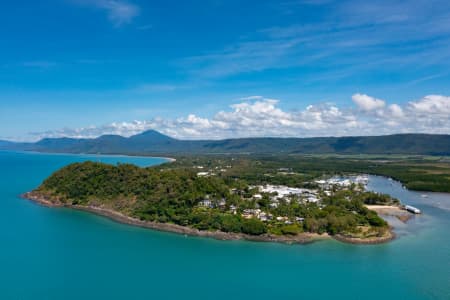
(58, 253)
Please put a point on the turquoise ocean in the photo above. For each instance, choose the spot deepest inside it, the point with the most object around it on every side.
(58, 253)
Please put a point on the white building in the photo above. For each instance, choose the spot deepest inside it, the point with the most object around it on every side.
(206, 203)
(200, 174)
(282, 191)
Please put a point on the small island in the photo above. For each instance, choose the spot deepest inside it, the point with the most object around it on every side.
(212, 200)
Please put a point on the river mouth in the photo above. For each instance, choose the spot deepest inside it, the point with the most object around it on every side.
(433, 206)
(394, 188)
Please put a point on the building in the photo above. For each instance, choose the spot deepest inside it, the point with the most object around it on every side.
(206, 203)
(200, 174)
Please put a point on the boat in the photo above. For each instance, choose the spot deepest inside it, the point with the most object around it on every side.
(412, 209)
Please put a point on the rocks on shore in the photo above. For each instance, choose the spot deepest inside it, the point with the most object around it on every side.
(302, 238)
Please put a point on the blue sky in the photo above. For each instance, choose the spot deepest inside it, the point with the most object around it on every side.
(217, 69)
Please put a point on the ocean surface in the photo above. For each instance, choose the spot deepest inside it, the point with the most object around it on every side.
(58, 253)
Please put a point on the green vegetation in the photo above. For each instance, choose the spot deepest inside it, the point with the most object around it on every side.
(423, 173)
(153, 142)
(224, 201)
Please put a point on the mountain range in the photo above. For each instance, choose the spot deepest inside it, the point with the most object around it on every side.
(153, 142)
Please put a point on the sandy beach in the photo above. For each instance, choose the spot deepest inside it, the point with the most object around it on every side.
(391, 210)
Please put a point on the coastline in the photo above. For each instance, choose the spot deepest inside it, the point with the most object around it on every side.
(169, 159)
(302, 238)
(391, 211)
(389, 236)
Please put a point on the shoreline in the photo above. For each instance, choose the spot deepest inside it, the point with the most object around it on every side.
(389, 236)
(169, 159)
(302, 238)
(391, 211)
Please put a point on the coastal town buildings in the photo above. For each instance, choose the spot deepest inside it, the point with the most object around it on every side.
(278, 194)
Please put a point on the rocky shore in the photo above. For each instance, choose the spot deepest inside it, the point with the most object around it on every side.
(302, 238)
(387, 237)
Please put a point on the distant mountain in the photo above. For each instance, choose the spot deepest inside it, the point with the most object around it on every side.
(151, 136)
(7, 145)
(153, 142)
(57, 144)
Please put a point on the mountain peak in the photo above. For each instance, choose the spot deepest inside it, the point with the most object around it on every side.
(151, 136)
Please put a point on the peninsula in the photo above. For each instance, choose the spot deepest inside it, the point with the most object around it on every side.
(212, 200)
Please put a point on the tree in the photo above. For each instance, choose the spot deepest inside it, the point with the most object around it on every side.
(231, 223)
(253, 227)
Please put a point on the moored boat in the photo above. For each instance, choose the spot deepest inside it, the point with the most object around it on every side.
(412, 209)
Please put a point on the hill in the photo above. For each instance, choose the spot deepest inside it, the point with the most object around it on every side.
(153, 142)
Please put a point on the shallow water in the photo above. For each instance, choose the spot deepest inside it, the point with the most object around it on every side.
(57, 253)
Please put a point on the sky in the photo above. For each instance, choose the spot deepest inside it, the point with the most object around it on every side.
(217, 69)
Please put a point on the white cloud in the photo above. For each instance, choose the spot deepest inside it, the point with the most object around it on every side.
(368, 103)
(119, 12)
(264, 117)
(396, 111)
(251, 98)
(432, 104)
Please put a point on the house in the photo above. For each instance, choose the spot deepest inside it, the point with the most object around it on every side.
(312, 199)
(251, 213)
(248, 213)
(206, 203)
(263, 217)
(222, 202)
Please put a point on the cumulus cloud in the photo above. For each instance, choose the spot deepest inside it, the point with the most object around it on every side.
(396, 111)
(261, 116)
(367, 103)
(432, 104)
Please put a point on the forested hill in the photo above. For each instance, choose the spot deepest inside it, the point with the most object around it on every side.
(153, 142)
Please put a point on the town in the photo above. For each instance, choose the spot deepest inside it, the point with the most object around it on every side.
(254, 196)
